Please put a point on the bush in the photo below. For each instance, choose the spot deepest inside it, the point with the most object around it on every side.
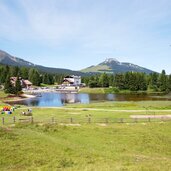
(112, 90)
(93, 84)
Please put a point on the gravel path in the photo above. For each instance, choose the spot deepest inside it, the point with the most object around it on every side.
(151, 116)
(96, 109)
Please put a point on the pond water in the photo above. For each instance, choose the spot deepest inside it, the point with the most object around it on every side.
(57, 99)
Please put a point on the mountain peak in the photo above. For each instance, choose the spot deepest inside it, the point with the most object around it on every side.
(109, 60)
(112, 65)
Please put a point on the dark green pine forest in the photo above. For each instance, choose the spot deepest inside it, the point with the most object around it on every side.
(133, 81)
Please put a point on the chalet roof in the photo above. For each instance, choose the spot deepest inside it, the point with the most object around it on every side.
(67, 81)
(27, 82)
(72, 76)
(69, 76)
(15, 78)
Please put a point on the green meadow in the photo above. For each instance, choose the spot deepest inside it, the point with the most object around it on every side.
(101, 90)
(126, 105)
(54, 141)
(97, 112)
(134, 146)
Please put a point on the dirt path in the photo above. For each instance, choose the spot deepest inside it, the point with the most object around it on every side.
(151, 116)
(96, 109)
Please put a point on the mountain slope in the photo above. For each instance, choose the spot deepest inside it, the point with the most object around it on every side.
(8, 59)
(111, 65)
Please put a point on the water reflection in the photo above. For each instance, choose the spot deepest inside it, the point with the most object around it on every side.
(70, 98)
(111, 97)
(57, 99)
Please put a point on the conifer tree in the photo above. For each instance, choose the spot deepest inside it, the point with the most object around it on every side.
(162, 81)
(119, 81)
(34, 77)
(8, 87)
(104, 80)
(18, 86)
(24, 72)
(169, 82)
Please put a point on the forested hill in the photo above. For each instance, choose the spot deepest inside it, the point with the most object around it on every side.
(10, 60)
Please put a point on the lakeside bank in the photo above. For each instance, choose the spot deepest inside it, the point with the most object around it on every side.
(101, 90)
(14, 98)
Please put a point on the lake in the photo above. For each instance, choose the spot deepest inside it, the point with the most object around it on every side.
(52, 99)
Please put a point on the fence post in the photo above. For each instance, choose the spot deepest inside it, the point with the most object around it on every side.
(71, 120)
(3, 120)
(162, 119)
(149, 119)
(52, 119)
(89, 120)
(136, 120)
(14, 119)
(121, 120)
(32, 119)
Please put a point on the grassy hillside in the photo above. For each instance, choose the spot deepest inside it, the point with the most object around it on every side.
(92, 90)
(98, 68)
(100, 146)
(88, 147)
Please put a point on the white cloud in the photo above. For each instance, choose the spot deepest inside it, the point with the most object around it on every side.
(99, 25)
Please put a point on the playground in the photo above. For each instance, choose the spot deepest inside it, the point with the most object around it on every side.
(7, 109)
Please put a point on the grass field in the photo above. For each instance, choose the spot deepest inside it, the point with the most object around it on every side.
(126, 105)
(142, 146)
(2, 94)
(114, 90)
(98, 111)
(88, 147)
(92, 90)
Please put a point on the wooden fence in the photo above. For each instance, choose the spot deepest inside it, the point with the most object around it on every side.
(88, 120)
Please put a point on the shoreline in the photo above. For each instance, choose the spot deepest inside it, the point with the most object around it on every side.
(19, 98)
(102, 90)
(51, 91)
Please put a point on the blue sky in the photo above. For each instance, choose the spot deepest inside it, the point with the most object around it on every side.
(75, 34)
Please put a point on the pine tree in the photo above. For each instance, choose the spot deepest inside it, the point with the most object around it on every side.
(85, 80)
(4, 71)
(119, 81)
(18, 86)
(31, 74)
(24, 72)
(15, 71)
(142, 84)
(8, 87)
(153, 81)
(93, 84)
(34, 77)
(127, 80)
(46, 79)
(111, 80)
(169, 82)
(51, 79)
(2, 75)
(133, 82)
(162, 81)
(104, 80)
